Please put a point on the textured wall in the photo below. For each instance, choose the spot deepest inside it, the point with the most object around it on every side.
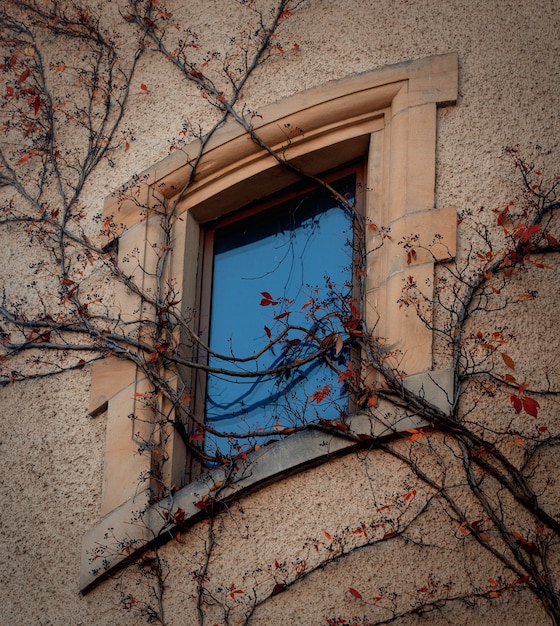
(52, 453)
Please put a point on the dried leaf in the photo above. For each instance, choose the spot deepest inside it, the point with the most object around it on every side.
(152, 357)
(339, 344)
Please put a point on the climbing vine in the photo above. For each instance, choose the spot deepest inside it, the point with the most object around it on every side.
(481, 470)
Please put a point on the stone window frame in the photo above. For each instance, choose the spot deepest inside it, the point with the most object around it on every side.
(388, 116)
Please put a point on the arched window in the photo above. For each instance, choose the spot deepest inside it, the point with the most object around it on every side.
(385, 117)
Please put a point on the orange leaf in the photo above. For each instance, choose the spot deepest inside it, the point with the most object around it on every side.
(327, 535)
(416, 434)
(372, 401)
(24, 158)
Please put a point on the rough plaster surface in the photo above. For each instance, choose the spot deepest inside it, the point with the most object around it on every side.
(51, 452)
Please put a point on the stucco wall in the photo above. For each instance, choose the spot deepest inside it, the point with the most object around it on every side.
(52, 452)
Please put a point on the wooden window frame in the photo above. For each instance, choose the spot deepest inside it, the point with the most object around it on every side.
(389, 116)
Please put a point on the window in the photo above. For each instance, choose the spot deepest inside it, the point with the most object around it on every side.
(387, 115)
(277, 290)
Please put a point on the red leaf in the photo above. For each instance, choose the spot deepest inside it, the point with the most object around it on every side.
(355, 593)
(267, 299)
(517, 404)
(508, 361)
(531, 406)
(23, 76)
(37, 105)
(409, 495)
(143, 87)
(278, 588)
(542, 429)
(502, 216)
(525, 234)
(179, 516)
(267, 331)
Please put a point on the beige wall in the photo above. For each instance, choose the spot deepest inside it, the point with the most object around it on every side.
(52, 452)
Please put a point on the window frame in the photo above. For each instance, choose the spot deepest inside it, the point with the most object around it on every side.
(387, 114)
(206, 255)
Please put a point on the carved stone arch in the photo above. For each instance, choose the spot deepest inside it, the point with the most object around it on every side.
(388, 115)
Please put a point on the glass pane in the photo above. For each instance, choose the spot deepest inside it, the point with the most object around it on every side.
(288, 265)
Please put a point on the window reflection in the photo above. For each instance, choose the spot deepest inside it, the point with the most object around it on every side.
(290, 265)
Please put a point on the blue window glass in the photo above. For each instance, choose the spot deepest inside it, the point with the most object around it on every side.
(280, 280)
